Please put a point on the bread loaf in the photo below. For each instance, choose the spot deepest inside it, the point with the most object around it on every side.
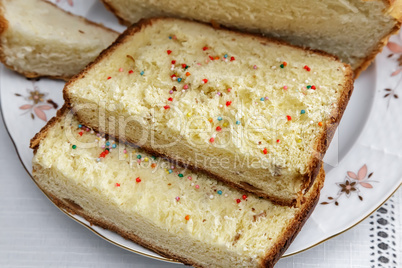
(177, 213)
(39, 39)
(353, 30)
(252, 112)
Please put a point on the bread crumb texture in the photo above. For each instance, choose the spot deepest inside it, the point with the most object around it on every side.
(184, 213)
(241, 107)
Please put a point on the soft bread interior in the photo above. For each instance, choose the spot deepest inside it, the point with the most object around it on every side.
(39, 39)
(243, 115)
(161, 205)
(350, 29)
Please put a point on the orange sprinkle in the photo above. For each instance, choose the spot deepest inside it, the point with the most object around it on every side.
(188, 74)
(210, 120)
(320, 124)
(217, 58)
(187, 217)
(153, 165)
(284, 63)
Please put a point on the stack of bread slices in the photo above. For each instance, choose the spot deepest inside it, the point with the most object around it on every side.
(201, 143)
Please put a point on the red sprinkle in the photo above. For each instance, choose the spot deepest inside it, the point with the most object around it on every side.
(244, 197)
(265, 151)
(117, 184)
(278, 141)
(204, 48)
(170, 99)
(313, 87)
(238, 201)
(173, 62)
(307, 68)
(131, 71)
(289, 117)
(212, 58)
(168, 52)
(173, 75)
(138, 180)
(228, 103)
(109, 78)
(218, 128)
(205, 81)
(184, 65)
(232, 58)
(166, 107)
(211, 140)
(81, 133)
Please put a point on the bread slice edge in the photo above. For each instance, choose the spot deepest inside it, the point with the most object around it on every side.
(319, 148)
(4, 26)
(269, 260)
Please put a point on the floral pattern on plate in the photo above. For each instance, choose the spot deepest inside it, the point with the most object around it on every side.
(350, 186)
(38, 103)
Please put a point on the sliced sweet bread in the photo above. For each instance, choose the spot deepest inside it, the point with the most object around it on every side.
(254, 113)
(177, 213)
(39, 39)
(353, 30)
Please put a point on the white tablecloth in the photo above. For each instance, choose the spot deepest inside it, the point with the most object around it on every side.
(34, 233)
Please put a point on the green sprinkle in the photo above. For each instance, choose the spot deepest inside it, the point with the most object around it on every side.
(308, 87)
(74, 146)
(181, 175)
(139, 156)
(282, 66)
(303, 112)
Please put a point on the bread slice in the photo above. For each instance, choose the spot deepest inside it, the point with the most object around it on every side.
(254, 113)
(39, 39)
(353, 30)
(177, 213)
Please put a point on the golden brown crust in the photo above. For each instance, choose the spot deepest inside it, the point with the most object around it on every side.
(296, 225)
(314, 167)
(115, 12)
(329, 129)
(33, 74)
(269, 260)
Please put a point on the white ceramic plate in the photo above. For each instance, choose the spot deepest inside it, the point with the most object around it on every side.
(363, 164)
